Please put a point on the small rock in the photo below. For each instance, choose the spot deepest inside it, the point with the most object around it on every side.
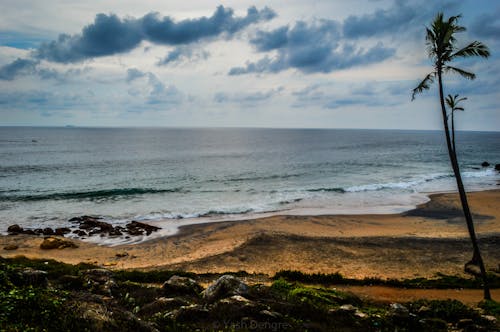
(79, 232)
(11, 247)
(497, 167)
(462, 323)
(62, 231)
(122, 254)
(48, 231)
(162, 304)
(490, 319)
(348, 308)
(225, 286)
(56, 243)
(398, 310)
(181, 285)
(192, 313)
(32, 277)
(485, 164)
(15, 229)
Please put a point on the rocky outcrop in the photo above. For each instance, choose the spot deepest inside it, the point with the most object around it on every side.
(181, 286)
(225, 286)
(485, 164)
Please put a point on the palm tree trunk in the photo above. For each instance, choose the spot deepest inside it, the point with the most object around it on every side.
(461, 191)
(453, 133)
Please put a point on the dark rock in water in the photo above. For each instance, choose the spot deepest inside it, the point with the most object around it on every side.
(38, 231)
(138, 228)
(485, 164)
(62, 230)
(29, 232)
(497, 167)
(31, 277)
(11, 247)
(48, 231)
(79, 232)
(225, 286)
(181, 286)
(15, 229)
(56, 243)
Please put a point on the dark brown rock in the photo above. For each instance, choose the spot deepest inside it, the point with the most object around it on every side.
(56, 243)
(181, 286)
(497, 167)
(485, 164)
(15, 229)
(138, 228)
(62, 231)
(48, 231)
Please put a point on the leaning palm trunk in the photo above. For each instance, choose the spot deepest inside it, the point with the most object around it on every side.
(476, 259)
(442, 49)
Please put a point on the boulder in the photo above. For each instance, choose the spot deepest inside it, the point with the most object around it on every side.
(398, 310)
(56, 243)
(48, 231)
(15, 229)
(138, 228)
(162, 304)
(62, 231)
(79, 232)
(497, 167)
(225, 286)
(31, 277)
(100, 281)
(485, 164)
(181, 286)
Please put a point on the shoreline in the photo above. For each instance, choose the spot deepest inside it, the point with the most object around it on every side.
(422, 242)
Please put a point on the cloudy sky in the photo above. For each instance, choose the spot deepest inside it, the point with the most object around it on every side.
(317, 63)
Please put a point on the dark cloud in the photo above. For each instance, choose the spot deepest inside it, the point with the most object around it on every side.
(310, 48)
(182, 53)
(110, 35)
(487, 25)
(17, 67)
(247, 99)
(382, 21)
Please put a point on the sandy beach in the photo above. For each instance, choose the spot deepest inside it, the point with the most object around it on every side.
(422, 242)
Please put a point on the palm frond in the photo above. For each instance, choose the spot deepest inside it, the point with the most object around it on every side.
(424, 85)
(475, 48)
(461, 72)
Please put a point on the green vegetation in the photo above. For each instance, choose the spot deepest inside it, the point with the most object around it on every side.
(45, 295)
(441, 281)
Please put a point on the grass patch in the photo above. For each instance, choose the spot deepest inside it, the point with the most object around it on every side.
(440, 282)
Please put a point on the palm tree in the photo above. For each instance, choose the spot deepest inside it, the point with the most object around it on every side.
(442, 50)
(452, 102)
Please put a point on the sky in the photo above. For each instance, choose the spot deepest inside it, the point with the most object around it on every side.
(200, 63)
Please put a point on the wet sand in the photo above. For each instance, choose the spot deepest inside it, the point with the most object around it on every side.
(430, 239)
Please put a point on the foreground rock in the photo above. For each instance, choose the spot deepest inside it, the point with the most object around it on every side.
(56, 243)
(225, 286)
(181, 286)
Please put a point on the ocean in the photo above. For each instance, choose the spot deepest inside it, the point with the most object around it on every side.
(171, 177)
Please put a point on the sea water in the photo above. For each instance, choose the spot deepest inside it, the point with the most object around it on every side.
(173, 176)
